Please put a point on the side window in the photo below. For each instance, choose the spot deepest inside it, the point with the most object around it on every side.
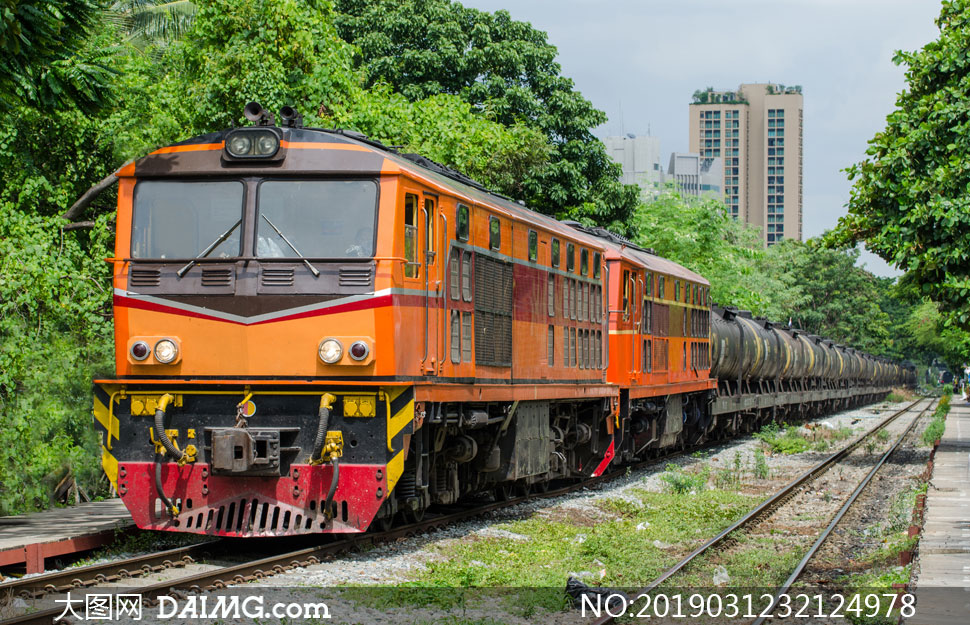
(648, 282)
(429, 230)
(554, 249)
(584, 262)
(466, 276)
(494, 233)
(411, 236)
(551, 346)
(453, 266)
(661, 290)
(551, 295)
(455, 337)
(461, 223)
(676, 290)
(565, 299)
(466, 336)
(570, 257)
(572, 299)
(597, 265)
(626, 295)
(533, 245)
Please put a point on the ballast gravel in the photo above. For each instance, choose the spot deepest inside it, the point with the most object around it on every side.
(401, 561)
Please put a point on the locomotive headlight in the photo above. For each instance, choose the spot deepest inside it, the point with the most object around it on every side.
(267, 144)
(166, 351)
(330, 351)
(259, 143)
(240, 145)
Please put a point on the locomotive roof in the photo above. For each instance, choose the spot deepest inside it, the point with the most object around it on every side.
(347, 152)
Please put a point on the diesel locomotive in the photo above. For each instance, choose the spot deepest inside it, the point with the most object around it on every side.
(317, 333)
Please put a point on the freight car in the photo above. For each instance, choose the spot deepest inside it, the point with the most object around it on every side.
(315, 333)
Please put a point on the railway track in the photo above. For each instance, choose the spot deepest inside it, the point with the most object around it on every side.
(96, 575)
(767, 507)
(99, 574)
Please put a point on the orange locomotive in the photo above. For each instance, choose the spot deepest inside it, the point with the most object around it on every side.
(314, 332)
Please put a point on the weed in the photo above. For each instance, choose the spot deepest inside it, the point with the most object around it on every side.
(760, 465)
(789, 441)
(871, 445)
(681, 482)
(882, 435)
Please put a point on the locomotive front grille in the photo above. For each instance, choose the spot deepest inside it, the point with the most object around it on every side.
(145, 277)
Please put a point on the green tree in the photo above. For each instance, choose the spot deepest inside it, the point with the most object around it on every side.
(840, 300)
(909, 199)
(702, 236)
(152, 22)
(505, 69)
(44, 61)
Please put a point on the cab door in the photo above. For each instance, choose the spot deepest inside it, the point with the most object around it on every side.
(433, 282)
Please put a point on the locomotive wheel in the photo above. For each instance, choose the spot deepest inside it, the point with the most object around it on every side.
(522, 489)
(413, 516)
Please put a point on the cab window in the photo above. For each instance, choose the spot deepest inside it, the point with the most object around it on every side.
(410, 236)
(461, 223)
(494, 233)
(533, 246)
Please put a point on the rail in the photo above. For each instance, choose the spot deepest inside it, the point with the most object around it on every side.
(781, 496)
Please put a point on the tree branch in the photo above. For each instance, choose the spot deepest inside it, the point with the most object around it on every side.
(77, 225)
(90, 195)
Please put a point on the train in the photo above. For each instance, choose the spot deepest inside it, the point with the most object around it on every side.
(317, 333)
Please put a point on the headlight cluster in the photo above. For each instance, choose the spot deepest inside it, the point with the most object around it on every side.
(166, 351)
(331, 350)
(252, 143)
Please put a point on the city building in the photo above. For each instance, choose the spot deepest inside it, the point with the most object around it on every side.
(640, 159)
(695, 175)
(757, 131)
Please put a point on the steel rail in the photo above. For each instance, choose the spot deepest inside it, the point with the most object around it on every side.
(772, 502)
(104, 572)
(267, 566)
(271, 565)
(800, 568)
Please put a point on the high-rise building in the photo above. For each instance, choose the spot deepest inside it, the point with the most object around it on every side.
(639, 156)
(757, 131)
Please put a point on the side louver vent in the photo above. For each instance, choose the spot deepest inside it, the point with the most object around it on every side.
(277, 276)
(213, 276)
(353, 276)
(144, 277)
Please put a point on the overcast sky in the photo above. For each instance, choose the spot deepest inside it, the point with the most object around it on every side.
(641, 60)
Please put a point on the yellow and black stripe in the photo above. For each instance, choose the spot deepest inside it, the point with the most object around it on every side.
(400, 414)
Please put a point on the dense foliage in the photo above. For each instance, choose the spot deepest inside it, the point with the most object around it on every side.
(806, 284)
(909, 197)
(86, 85)
(506, 69)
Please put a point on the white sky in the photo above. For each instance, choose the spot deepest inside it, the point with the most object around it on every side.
(641, 60)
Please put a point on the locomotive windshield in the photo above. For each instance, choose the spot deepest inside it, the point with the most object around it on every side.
(184, 219)
(316, 218)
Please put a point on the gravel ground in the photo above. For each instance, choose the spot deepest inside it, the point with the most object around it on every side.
(401, 561)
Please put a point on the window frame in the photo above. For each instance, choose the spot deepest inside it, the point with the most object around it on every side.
(494, 233)
(462, 234)
(555, 252)
(533, 246)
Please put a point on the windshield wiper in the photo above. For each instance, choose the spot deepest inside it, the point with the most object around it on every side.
(313, 270)
(219, 240)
